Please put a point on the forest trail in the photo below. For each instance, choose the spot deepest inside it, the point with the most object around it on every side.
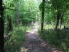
(34, 43)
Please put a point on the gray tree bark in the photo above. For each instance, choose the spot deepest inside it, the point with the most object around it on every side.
(17, 13)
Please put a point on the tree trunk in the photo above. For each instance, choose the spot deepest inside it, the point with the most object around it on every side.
(9, 23)
(1, 29)
(61, 22)
(42, 19)
(58, 18)
(17, 13)
(57, 24)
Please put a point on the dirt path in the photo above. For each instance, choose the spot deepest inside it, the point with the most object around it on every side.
(34, 43)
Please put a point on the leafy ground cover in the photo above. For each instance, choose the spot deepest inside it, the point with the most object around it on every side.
(16, 40)
(57, 39)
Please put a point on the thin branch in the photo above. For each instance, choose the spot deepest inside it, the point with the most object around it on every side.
(9, 8)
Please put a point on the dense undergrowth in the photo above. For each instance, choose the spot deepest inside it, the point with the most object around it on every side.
(16, 40)
(59, 39)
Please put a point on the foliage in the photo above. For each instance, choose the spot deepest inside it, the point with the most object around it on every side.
(52, 7)
(27, 10)
(16, 40)
(30, 11)
(50, 35)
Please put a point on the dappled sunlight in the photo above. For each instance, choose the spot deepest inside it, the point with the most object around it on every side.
(43, 44)
(35, 25)
(55, 38)
(57, 51)
(22, 49)
(34, 43)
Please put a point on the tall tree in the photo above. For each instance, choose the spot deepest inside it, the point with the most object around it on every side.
(60, 7)
(42, 18)
(58, 18)
(1, 28)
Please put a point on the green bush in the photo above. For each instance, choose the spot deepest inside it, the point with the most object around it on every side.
(17, 39)
(51, 36)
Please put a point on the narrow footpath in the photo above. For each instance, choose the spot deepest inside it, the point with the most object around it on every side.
(33, 43)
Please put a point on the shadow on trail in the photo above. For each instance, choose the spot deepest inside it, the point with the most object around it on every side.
(34, 43)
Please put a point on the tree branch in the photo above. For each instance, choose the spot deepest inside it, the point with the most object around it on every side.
(9, 8)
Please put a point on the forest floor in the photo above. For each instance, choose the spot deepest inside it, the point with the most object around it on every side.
(34, 43)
